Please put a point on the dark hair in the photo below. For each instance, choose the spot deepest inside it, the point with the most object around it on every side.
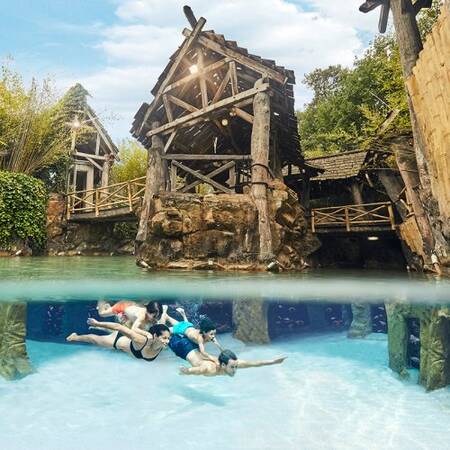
(158, 329)
(206, 325)
(225, 356)
(152, 308)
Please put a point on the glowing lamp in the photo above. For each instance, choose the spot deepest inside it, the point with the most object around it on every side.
(372, 238)
(224, 122)
(193, 69)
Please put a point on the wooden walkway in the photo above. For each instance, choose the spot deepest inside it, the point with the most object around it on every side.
(110, 203)
(367, 217)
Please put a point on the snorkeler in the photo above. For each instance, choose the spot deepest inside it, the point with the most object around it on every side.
(197, 337)
(132, 314)
(226, 364)
(138, 343)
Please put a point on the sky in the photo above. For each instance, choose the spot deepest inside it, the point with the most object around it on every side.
(117, 48)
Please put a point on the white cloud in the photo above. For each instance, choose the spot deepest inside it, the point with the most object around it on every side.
(149, 31)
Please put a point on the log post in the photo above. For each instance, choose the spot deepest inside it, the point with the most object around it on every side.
(356, 193)
(154, 182)
(260, 143)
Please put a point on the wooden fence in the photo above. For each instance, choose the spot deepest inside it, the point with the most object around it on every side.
(429, 88)
(127, 194)
(352, 217)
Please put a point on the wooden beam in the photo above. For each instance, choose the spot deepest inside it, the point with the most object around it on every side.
(238, 57)
(243, 115)
(202, 177)
(233, 77)
(168, 108)
(88, 155)
(181, 54)
(182, 104)
(213, 107)
(188, 157)
(222, 87)
(173, 178)
(94, 121)
(194, 76)
(203, 88)
(97, 144)
(95, 163)
(169, 141)
(215, 172)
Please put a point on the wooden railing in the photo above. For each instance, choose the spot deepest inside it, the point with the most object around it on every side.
(119, 195)
(353, 216)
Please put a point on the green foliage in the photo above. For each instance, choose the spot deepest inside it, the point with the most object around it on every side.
(23, 203)
(125, 230)
(350, 105)
(133, 162)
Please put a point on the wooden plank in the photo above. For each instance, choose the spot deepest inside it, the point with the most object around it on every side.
(239, 58)
(233, 78)
(97, 144)
(203, 88)
(181, 54)
(213, 107)
(222, 87)
(202, 177)
(182, 81)
(182, 104)
(96, 164)
(215, 172)
(189, 157)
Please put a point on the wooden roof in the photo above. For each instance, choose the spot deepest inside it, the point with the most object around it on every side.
(208, 136)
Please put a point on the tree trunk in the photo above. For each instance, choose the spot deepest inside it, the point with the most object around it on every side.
(154, 182)
(260, 160)
(394, 189)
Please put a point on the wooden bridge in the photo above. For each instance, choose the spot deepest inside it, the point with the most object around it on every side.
(366, 217)
(114, 202)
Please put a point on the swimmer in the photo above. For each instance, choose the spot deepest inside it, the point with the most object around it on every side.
(198, 337)
(132, 314)
(226, 364)
(138, 343)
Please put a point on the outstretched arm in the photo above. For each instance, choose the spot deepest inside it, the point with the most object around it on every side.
(133, 335)
(241, 364)
(199, 370)
(204, 353)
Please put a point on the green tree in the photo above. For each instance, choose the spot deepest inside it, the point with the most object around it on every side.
(133, 161)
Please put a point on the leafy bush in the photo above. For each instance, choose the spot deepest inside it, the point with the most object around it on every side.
(23, 203)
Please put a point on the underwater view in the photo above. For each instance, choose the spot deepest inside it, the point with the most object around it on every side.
(296, 368)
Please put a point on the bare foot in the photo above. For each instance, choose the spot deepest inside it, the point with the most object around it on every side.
(182, 313)
(165, 308)
(72, 337)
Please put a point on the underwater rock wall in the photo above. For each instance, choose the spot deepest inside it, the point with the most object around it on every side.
(70, 239)
(14, 362)
(220, 231)
(434, 342)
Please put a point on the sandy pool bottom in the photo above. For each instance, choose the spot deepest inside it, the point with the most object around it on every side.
(331, 393)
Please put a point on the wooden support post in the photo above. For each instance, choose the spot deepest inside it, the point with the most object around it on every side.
(97, 201)
(173, 177)
(356, 193)
(260, 142)
(313, 224)
(306, 192)
(105, 173)
(347, 220)
(153, 183)
(130, 199)
(391, 216)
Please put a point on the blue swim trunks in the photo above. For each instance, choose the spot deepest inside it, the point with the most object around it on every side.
(181, 345)
(181, 327)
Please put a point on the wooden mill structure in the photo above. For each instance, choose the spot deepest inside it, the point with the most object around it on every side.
(220, 117)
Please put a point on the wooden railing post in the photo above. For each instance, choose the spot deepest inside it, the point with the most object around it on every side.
(347, 220)
(130, 201)
(313, 225)
(69, 196)
(391, 216)
(173, 177)
(97, 200)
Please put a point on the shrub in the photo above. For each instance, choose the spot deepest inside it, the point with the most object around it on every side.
(23, 205)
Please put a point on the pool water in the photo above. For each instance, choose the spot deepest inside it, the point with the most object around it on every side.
(330, 393)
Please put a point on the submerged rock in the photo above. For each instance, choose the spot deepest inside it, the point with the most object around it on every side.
(14, 362)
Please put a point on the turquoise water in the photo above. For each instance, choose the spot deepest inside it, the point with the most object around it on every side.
(331, 392)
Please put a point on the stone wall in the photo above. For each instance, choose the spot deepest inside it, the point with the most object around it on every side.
(70, 239)
(220, 231)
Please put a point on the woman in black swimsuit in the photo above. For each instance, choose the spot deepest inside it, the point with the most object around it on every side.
(138, 343)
